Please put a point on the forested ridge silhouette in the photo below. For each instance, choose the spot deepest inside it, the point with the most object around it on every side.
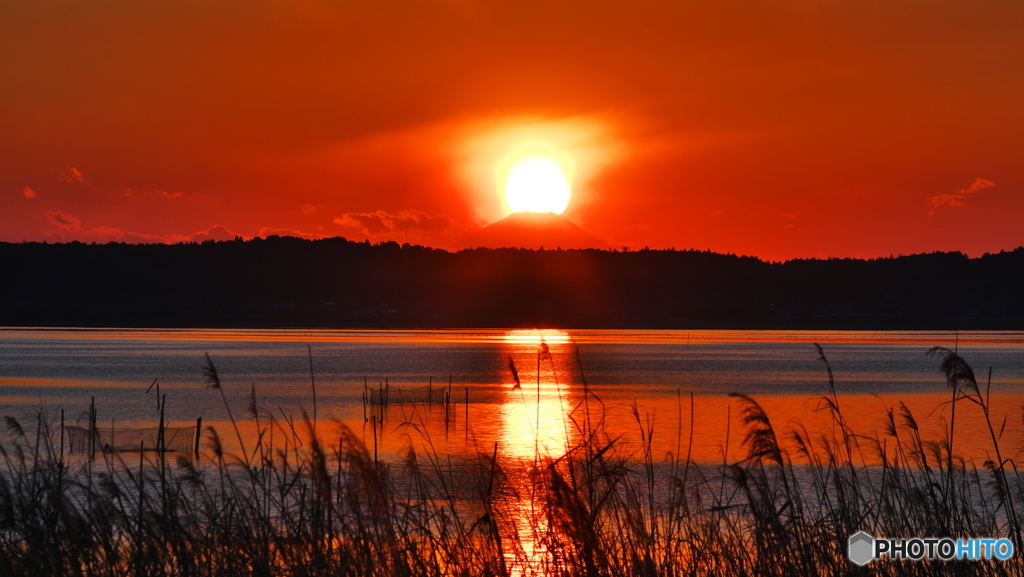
(291, 282)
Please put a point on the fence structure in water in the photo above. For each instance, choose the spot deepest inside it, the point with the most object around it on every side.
(161, 438)
(110, 439)
(388, 393)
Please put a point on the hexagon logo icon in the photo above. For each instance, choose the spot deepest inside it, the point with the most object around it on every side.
(861, 548)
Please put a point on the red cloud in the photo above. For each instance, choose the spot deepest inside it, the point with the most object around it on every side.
(71, 174)
(63, 221)
(67, 224)
(118, 234)
(405, 226)
(215, 232)
(269, 231)
(958, 198)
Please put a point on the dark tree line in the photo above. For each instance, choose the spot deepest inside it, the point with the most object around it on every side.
(338, 283)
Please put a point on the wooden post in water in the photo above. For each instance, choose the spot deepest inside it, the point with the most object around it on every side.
(92, 428)
(161, 447)
(160, 430)
(312, 382)
(142, 494)
(199, 434)
(62, 438)
(373, 424)
(536, 434)
(446, 401)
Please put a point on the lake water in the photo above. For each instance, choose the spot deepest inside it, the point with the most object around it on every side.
(653, 371)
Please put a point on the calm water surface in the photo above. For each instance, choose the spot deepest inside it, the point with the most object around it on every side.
(653, 371)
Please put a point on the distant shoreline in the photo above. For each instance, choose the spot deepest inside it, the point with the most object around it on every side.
(131, 323)
(581, 336)
(283, 282)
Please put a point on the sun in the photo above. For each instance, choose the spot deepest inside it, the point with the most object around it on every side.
(537, 183)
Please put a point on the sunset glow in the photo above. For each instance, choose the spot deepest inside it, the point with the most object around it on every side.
(751, 131)
(537, 184)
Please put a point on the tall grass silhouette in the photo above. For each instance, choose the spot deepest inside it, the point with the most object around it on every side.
(308, 498)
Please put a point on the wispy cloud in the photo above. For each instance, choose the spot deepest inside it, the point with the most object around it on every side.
(64, 222)
(958, 198)
(406, 226)
(215, 232)
(169, 194)
(28, 192)
(271, 231)
(367, 223)
(70, 227)
(307, 209)
(120, 234)
(71, 174)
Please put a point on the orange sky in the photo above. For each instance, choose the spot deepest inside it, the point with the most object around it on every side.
(781, 129)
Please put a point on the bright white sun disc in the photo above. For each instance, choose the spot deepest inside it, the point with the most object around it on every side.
(537, 184)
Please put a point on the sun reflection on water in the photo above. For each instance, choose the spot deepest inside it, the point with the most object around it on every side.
(536, 337)
(536, 429)
(535, 409)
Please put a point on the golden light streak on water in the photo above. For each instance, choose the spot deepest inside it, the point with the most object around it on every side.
(536, 429)
(532, 429)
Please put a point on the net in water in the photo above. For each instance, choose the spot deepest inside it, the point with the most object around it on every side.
(110, 439)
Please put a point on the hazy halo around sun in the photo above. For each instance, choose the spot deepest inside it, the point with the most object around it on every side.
(537, 182)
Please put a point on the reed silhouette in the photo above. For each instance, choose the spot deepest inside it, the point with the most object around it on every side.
(313, 500)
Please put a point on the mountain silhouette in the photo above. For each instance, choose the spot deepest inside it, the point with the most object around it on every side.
(533, 230)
